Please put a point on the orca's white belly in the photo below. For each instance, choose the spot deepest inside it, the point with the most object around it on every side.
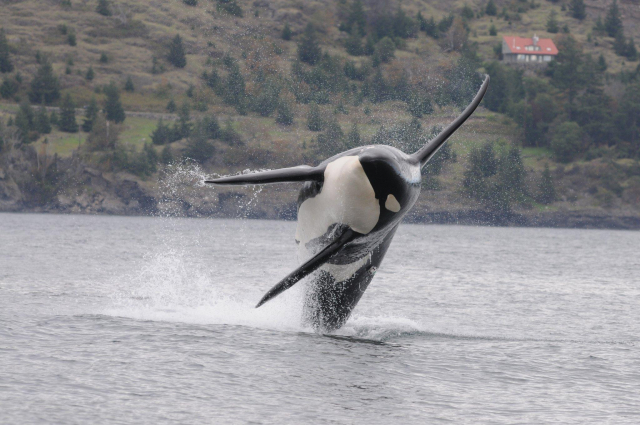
(347, 197)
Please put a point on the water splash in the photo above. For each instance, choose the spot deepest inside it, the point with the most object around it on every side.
(168, 287)
(179, 182)
(171, 283)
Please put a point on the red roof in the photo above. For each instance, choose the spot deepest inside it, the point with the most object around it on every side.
(517, 45)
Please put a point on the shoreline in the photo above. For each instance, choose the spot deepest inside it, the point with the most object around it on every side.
(478, 218)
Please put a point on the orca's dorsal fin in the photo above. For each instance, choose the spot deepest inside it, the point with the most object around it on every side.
(425, 153)
(300, 173)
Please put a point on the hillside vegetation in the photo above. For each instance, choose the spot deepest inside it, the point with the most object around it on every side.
(233, 84)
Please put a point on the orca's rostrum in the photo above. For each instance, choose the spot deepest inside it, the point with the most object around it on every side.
(348, 211)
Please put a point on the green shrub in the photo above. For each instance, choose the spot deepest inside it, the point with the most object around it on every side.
(103, 8)
(230, 7)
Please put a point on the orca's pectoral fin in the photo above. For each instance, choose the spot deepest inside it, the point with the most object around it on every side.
(293, 174)
(309, 266)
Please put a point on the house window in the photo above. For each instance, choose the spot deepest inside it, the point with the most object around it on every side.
(520, 58)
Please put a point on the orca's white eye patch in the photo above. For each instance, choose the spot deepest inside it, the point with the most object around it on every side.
(392, 204)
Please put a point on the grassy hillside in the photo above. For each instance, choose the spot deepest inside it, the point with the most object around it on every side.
(133, 42)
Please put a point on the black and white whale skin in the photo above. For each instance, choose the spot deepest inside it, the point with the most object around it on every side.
(348, 212)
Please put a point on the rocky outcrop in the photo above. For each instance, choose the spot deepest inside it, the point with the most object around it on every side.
(31, 182)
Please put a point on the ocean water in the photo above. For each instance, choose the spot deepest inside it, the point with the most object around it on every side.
(121, 320)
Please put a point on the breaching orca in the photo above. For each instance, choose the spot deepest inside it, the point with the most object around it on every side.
(348, 211)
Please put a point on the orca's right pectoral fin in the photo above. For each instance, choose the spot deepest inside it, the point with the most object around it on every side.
(309, 266)
(300, 173)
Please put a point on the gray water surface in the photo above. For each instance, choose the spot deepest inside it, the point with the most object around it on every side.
(147, 320)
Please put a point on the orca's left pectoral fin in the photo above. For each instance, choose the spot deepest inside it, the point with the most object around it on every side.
(300, 173)
(309, 266)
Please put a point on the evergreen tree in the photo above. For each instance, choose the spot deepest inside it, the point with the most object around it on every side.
(210, 127)
(493, 30)
(5, 60)
(566, 142)
(422, 22)
(150, 158)
(8, 88)
(467, 13)
(25, 120)
(599, 26)
(578, 9)
(331, 141)
(369, 46)
(54, 119)
(90, 75)
(431, 28)
(286, 32)
(104, 58)
(190, 2)
(177, 56)
(44, 86)
(620, 44)
(285, 114)
(357, 18)
(613, 20)
(198, 146)
(162, 134)
(103, 8)
(184, 120)
(546, 188)
(166, 156)
(42, 123)
(171, 106)
(90, 115)
(630, 116)
(511, 172)
(231, 7)
(212, 80)
(602, 63)
(491, 9)
(309, 49)
(103, 136)
(631, 52)
(234, 93)
(113, 107)
(567, 71)
(353, 44)
(353, 138)
(385, 50)
(379, 90)
(128, 86)
(552, 23)
(314, 119)
(68, 115)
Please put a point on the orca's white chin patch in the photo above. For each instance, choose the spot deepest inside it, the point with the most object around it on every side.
(347, 197)
(392, 204)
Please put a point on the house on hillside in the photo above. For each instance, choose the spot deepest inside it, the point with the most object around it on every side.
(533, 50)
